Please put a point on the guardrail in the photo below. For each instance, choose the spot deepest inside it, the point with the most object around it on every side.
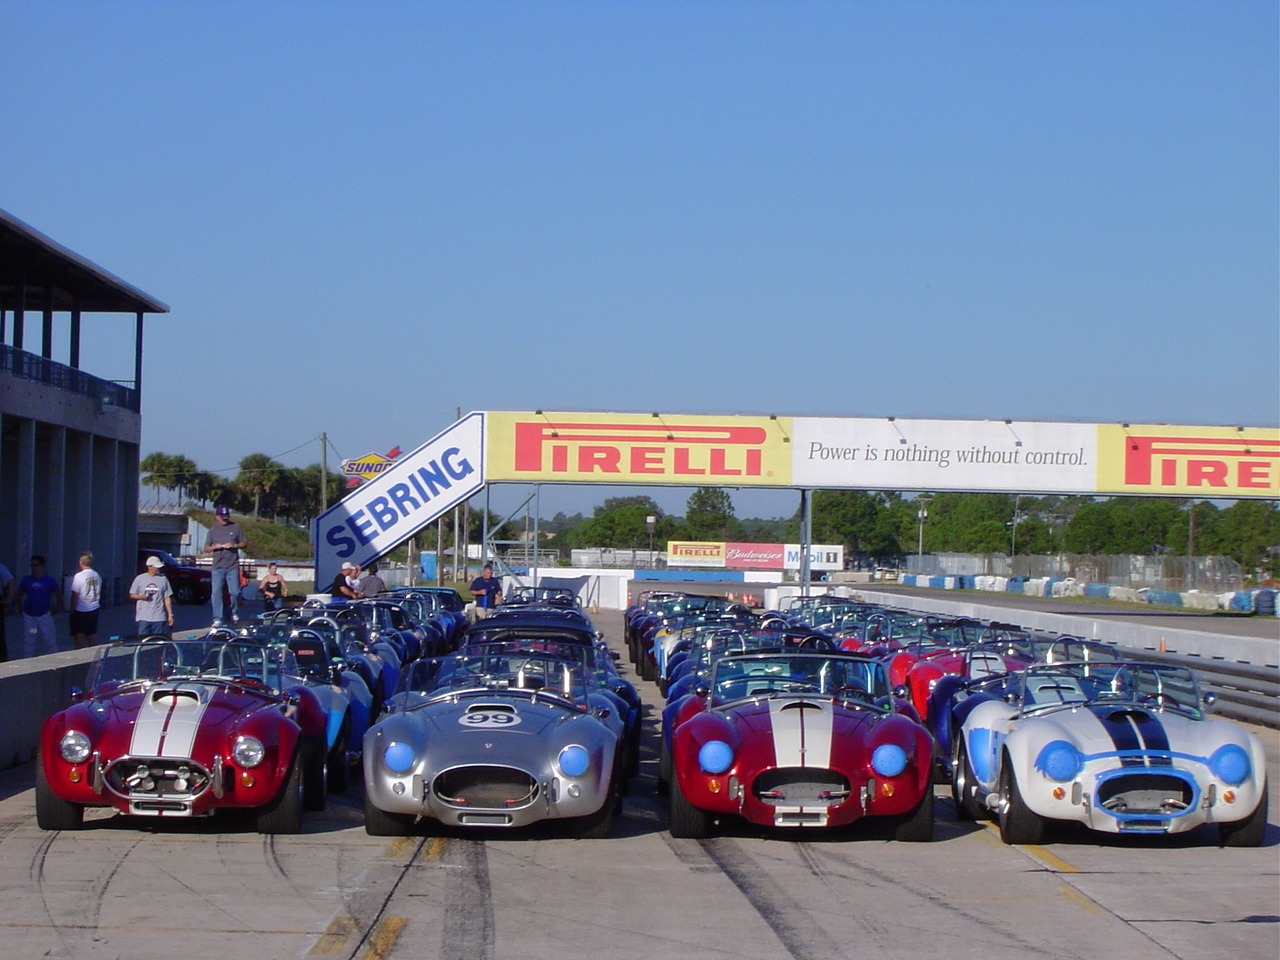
(1244, 692)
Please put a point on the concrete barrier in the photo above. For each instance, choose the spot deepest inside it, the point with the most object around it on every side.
(33, 689)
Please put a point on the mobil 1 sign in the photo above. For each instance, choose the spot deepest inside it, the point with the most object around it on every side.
(399, 502)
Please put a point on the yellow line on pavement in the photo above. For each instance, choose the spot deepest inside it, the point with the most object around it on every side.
(334, 940)
(399, 848)
(1051, 859)
(384, 938)
(435, 848)
(1075, 896)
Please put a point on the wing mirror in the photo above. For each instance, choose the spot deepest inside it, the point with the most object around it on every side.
(77, 695)
(1209, 700)
(902, 692)
(702, 690)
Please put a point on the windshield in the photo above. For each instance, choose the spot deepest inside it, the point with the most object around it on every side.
(192, 660)
(1111, 683)
(506, 670)
(764, 675)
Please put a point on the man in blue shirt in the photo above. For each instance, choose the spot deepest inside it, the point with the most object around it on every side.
(487, 590)
(39, 598)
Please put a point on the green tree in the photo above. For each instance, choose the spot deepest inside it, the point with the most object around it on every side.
(258, 475)
(709, 516)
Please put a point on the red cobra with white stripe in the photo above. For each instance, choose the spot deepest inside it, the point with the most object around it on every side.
(799, 753)
(158, 733)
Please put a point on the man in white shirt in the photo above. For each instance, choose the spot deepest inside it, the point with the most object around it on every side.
(86, 596)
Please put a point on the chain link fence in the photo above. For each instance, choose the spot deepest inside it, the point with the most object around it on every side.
(1180, 574)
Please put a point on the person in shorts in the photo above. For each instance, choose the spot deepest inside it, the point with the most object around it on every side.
(86, 596)
(154, 596)
(39, 598)
(273, 588)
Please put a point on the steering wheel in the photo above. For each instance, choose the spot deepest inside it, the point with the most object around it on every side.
(1160, 700)
(852, 691)
(816, 642)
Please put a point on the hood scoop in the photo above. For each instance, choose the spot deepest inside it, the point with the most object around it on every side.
(174, 696)
(800, 705)
(490, 708)
(1132, 713)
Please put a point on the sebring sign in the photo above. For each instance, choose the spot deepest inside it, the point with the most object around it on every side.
(401, 500)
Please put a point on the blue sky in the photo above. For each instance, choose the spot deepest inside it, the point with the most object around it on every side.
(372, 214)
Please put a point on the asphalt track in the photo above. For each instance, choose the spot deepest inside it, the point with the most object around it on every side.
(215, 889)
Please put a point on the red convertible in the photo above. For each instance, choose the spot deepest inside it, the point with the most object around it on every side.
(797, 739)
(182, 729)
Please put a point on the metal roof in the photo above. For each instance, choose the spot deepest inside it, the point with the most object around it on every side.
(75, 281)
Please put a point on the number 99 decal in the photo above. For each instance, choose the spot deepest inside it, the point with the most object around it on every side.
(482, 719)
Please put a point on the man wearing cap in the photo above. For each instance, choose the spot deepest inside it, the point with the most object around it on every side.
(154, 610)
(225, 541)
(341, 586)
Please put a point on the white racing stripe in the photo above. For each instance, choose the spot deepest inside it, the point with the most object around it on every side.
(168, 721)
(801, 732)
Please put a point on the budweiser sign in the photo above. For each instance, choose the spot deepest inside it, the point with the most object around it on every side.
(634, 448)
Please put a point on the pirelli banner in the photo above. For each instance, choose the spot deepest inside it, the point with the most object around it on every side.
(883, 454)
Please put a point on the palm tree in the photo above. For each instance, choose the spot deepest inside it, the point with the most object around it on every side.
(258, 474)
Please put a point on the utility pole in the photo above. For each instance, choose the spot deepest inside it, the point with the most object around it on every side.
(324, 472)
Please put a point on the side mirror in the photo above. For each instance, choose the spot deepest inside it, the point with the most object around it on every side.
(77, 695)
(902, 692)
(335, 674)
(1011, 697)
(1209, 700)
(702, 690)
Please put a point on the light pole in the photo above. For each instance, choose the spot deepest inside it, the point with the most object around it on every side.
(1013, 529)
(921, 513)
(651, 524)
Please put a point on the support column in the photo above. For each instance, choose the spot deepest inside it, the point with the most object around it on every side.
(56, 506)
(806, 538)
(126, 500)
(74, 358)
(137, 357)
(24, 496)
(19, 313)
(79, 493)
(104, 510)
(46, 327)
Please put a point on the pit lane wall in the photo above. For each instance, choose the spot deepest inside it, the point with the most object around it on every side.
(1260, 602)
(1136, 636)
(36, 688)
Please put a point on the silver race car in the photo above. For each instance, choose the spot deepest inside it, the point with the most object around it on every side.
(498, 738)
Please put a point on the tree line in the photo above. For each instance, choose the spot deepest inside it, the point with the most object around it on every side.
(884, 527)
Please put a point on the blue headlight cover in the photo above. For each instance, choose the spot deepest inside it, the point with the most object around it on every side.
(574, 760)
(398, 757)
(1230, 764)
(715, 756)
(1059, 760)
(888, 760)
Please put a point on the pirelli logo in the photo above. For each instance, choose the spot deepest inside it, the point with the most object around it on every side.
(697, 551)
(1202, 463)
(649, 450)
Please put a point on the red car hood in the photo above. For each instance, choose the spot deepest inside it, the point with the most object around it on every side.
(180, 720)
(803, 731)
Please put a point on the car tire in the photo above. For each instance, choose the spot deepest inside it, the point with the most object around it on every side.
(1248, 832)
(1018, 822)
(184, 593)
(315, 773)
(339, 759)
(917, 826)
(284, 813)
(687, 821)
(964, 787)
(52, 812)
(664, 769)
(380, 823)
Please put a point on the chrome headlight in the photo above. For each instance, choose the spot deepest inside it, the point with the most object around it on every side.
(574, 760)
(75, 747)
(248, 751)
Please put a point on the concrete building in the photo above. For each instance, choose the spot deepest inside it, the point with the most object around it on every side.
(68, 439)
